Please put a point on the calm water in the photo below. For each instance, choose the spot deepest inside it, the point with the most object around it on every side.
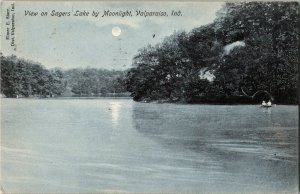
(109, 145)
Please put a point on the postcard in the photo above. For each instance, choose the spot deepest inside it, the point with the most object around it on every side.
(149, 97)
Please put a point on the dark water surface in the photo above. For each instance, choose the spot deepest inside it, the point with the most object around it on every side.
(117, 145)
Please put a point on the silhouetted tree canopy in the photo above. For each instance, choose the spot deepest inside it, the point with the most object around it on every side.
(25, 78)
(250, 46)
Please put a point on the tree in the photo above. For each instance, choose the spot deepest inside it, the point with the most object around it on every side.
(250, 46)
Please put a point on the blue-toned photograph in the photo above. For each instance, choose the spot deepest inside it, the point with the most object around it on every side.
(149, 97)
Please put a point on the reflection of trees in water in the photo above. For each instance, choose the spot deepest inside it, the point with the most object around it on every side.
(214, 130)
(280, 135)
(178, 127)
(148, 121)
(236, 140)
(239, 140)
(171, 129)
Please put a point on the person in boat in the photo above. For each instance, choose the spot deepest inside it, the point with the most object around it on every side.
(264, 103)
(269, 103)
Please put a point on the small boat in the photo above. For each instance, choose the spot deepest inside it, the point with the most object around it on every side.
(266, 105)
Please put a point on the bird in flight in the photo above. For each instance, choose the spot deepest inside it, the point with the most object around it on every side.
(153, 35)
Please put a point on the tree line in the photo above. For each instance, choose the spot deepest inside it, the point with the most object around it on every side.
(24, 78)
(248, 54)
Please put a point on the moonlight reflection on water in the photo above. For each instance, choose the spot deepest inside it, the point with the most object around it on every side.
(115, 107)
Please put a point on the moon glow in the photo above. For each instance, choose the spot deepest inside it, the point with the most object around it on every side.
(116, 31)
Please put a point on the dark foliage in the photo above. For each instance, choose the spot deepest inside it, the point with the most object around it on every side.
(25, 78)
(94, 82)
(249, 47)
(21, 78)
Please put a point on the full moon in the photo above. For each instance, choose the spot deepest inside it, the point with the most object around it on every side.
(116, 31)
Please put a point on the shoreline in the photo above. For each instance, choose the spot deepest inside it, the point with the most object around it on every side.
(148, 102)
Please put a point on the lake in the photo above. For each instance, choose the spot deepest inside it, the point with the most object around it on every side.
(117, 145)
